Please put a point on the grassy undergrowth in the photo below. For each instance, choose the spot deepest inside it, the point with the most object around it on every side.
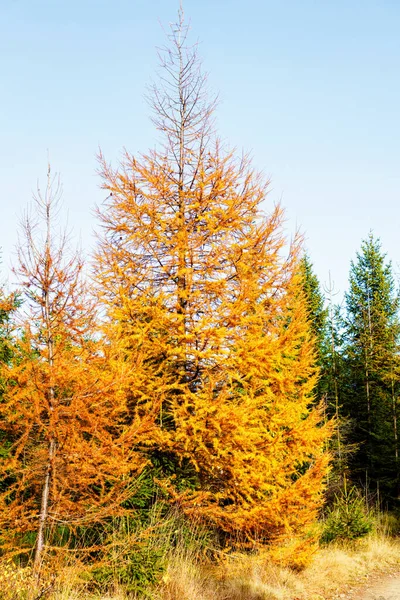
(254, 577)
(188, 569)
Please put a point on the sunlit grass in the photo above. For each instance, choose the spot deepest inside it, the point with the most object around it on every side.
(236, 576)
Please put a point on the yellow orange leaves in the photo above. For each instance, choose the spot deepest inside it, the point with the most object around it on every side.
(227, 357)
(202, 295)
(64, 404)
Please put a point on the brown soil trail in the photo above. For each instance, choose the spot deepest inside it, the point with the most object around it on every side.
(386, 587)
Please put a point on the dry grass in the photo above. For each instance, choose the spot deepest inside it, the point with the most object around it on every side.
(251, 577)
(336, 566)
(255, 577)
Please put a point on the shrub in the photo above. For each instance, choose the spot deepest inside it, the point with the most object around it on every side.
(138, 552)
(136, 572)
(348, 518)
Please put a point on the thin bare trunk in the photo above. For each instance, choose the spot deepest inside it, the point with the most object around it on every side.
(44, 509)
(182, 249)
(45, 499)
(181, 279)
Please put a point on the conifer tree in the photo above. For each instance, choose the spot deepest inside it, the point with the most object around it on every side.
(63, 404)
(326, 327)
(318, 315)
(213, 316)
(372, 330)
(8, 305)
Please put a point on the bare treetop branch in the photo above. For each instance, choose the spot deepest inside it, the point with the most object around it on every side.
(182, 109)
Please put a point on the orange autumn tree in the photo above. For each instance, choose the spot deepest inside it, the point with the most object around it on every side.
(63, 403)
(212, 316)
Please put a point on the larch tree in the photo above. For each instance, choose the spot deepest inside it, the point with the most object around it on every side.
(372, 331)
(64, 403)
(212, 314)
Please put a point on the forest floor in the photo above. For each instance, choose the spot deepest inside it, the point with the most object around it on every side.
(368, 569)
(378, 587)
(365, 570)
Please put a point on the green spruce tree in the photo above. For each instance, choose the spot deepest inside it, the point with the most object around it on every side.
(371, 354)
(318, 316)
(8, 304)
(325, 319)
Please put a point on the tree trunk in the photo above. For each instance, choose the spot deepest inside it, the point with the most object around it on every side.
(44, 509)
(46, 308)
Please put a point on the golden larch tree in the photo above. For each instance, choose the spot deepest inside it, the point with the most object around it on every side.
(205, 295)
(64, 402)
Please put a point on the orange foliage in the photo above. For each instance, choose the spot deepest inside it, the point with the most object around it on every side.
(64, 408)
(213, 319)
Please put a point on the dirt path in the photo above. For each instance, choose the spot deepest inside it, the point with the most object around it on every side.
(382, 588)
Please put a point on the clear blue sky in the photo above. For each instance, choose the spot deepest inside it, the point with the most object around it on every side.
(311, 88)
